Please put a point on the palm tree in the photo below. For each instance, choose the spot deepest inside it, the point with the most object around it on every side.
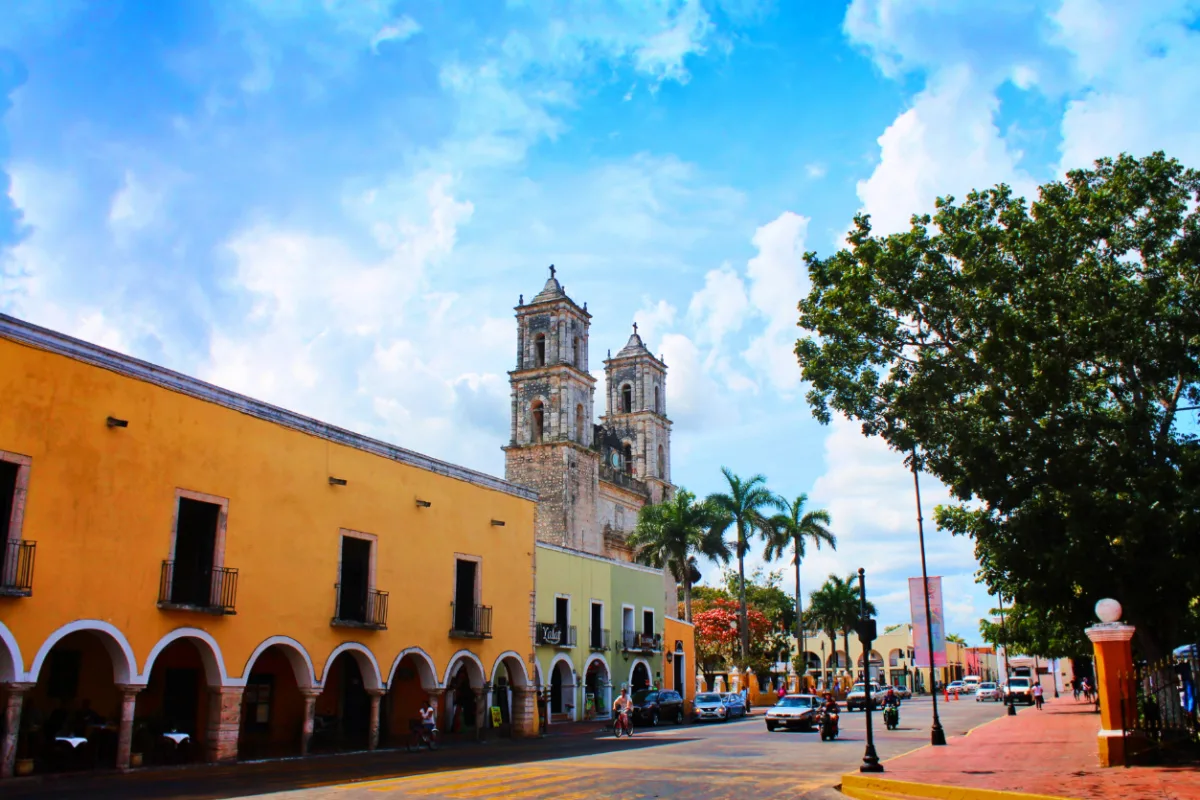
(743, 507)
(838, 604)
(791, 528)
(670, 535)
(825, 614)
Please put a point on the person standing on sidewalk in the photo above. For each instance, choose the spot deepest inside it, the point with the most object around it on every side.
(1037, 695)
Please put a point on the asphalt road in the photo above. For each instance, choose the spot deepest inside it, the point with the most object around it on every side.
(724, 760)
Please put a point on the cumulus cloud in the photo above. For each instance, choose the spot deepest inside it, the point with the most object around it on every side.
(134, 207)
(719, 308)
(399, 30)
(778, 279)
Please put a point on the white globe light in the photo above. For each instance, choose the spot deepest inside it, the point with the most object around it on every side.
(1108, 610)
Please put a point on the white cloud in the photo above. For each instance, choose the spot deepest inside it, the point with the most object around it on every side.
(399, 30)
(815, 170)
(946, 143)
(719, 308)
(134, 207)
(662, 54)
(778, 280)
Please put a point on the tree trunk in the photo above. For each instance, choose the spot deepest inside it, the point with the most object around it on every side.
(743, 622)
(849, 662)
(687, 596)
(800, 616)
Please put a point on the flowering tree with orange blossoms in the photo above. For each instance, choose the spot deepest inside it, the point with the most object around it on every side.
(717, 643)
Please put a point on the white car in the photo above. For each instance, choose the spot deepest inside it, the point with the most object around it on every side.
(989, 691)
(794, 712)
(1020, 690)
(957, 687)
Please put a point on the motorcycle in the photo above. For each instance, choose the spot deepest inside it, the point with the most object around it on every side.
(891, 717)
(829, 726)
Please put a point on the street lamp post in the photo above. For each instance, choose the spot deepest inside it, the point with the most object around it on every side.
(937, 736)
(1008, 700)
(866, 635)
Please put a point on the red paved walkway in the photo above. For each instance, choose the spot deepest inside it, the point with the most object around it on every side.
(1048, 752)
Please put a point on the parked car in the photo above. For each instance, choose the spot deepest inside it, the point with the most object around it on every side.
(903, 692)
(652, 706)
(709, 707)
(1020, 690)
(794, 712)
(735, 705)
(956, 687)
(857, 699)
(972, 683)
(989, 691)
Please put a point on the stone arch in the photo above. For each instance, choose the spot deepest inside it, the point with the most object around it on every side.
(662, 462)
(426, 669)
(537, 421)
(562, 686)
(476, 676)
(123, 663)
(627, 457)
(657, 406)
(12, 665)
(539, 350)
(812, 660)
(519, 676)
(367, 665)
(633, 669)
(894, 656)
(580, 424)
(206, 645)
(297, 656)
(626, 397)
(838, 660)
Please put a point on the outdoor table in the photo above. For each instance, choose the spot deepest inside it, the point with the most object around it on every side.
(177, 738)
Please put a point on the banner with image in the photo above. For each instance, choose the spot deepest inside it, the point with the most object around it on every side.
(916, 601)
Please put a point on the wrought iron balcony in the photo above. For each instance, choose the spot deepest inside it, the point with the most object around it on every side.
(16, 568)
(470, 622)
(552, 634)
(360, 608)
(623, 479)
(209, 591)
(642, 642)
(598, 639)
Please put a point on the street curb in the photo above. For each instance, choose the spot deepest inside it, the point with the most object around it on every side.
(862, 787)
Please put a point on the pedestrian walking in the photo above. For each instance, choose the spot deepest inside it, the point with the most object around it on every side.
(1037, 695)
(1076, 687)
(746, 698)
(782, 690)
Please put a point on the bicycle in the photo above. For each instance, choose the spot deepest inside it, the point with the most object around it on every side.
(623, 723)
(421, 736)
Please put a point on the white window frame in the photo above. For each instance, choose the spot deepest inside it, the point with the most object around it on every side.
(570, 610)
(478, 594)
(222, 523)
(16, 520)
(633, 610)
(347, 533)
(654, 620)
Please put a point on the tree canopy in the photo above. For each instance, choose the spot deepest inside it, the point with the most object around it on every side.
(1028, 632)
(1035, 358)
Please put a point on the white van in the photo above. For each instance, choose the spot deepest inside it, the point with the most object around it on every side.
(972, 682)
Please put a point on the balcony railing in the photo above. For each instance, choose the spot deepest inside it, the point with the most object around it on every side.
(552, 634)
(622, 479)
(16, 568)
(642, 642)
(470, 622)
(598, 639)
(210, 591)
(360, 609)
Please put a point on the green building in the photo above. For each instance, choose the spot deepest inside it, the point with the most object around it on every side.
(599, 627)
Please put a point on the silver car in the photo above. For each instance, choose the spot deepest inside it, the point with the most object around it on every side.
(709, 707)
(794, 712)
(989, 691)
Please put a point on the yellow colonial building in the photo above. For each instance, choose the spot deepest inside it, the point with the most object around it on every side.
(191, 574)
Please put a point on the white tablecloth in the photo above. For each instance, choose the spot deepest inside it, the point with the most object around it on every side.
(177, 738)
(74, 741)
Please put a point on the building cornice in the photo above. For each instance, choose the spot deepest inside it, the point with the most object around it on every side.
(557, 366)
(611, 561)
(60, 344)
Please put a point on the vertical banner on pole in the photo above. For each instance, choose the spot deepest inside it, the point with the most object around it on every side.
(916, 602)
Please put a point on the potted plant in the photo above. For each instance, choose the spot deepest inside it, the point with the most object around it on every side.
(24, 761)
(138, 742)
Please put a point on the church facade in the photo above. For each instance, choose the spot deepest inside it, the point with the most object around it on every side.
(591, 479)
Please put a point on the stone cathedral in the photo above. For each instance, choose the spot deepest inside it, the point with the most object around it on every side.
(591, 479)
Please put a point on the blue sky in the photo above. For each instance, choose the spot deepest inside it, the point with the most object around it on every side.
(334, 204)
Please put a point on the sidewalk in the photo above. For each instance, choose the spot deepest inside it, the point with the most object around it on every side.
(1050, 753)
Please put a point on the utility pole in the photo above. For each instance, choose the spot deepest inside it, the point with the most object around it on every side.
(937, 736)
(866, 635)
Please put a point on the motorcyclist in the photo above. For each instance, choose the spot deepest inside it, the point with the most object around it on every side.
(830, 709)
(891, 705)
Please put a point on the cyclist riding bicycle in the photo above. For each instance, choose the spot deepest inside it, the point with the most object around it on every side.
(623, 707)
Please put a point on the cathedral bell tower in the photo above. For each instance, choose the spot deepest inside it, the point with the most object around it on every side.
(637, 416)
(550, 449)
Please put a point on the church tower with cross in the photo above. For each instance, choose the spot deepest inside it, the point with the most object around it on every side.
(591, 479)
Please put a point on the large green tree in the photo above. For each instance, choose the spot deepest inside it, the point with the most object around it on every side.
(1035, 358)
(790, 529)
(834, 607)
(746, 508)
(1022, 630)
(670, 535)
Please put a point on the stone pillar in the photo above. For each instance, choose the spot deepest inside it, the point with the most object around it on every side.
(1114, 679)
(224, 720)
(125, 735)
(735, 680)
(524, 711)
(700, 687)
(373, 733)
(12, 727)
(310, 707)
(481, 711)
